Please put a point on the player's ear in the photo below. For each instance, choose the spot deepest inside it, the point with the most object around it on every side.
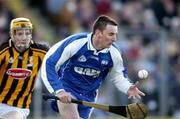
(98, 32)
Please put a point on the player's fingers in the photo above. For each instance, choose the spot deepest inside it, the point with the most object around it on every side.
(69, 99)
(130, 96)
(141, 93)
(65, 99)
(138, 96)
(134, 97)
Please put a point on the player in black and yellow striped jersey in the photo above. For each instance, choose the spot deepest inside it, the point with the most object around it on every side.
(20, 61)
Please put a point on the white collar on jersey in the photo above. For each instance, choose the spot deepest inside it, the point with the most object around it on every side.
(91, 47)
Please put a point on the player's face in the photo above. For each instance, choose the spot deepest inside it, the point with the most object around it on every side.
(108, 36)
(22, 38)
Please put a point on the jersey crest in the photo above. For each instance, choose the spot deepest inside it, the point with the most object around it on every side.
(82, 58)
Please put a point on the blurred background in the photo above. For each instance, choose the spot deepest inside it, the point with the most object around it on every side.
(149, 38)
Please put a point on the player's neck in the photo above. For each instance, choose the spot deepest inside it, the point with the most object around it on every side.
(96, 43)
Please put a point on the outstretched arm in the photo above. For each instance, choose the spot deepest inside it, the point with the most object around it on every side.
(119, 76)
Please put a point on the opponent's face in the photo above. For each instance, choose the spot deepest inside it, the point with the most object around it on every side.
(107, 36)
(21, 39)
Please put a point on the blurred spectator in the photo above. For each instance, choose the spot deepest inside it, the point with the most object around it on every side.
(175, 95)
(39, 4)
(86, 13)
(164, 10)
(5, 18)
(103, 7)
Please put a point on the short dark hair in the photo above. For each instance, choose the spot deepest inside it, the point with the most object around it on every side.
(102, 21)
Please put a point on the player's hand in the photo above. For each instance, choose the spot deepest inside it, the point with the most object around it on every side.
(134, 92)
(64, 97)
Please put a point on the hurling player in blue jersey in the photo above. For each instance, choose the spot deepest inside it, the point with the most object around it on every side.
(76, 67)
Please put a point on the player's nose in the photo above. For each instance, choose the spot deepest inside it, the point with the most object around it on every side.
(114, 38)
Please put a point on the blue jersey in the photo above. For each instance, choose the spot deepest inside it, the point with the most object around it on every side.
(75, 64)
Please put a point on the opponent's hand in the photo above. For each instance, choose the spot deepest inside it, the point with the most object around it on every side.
(64, 97)
(134, 92)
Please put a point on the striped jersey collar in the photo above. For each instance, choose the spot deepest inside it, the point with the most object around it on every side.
(91, 47)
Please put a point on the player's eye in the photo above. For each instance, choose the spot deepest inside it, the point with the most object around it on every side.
(27, 33)
(111, 34)
(19, 33)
